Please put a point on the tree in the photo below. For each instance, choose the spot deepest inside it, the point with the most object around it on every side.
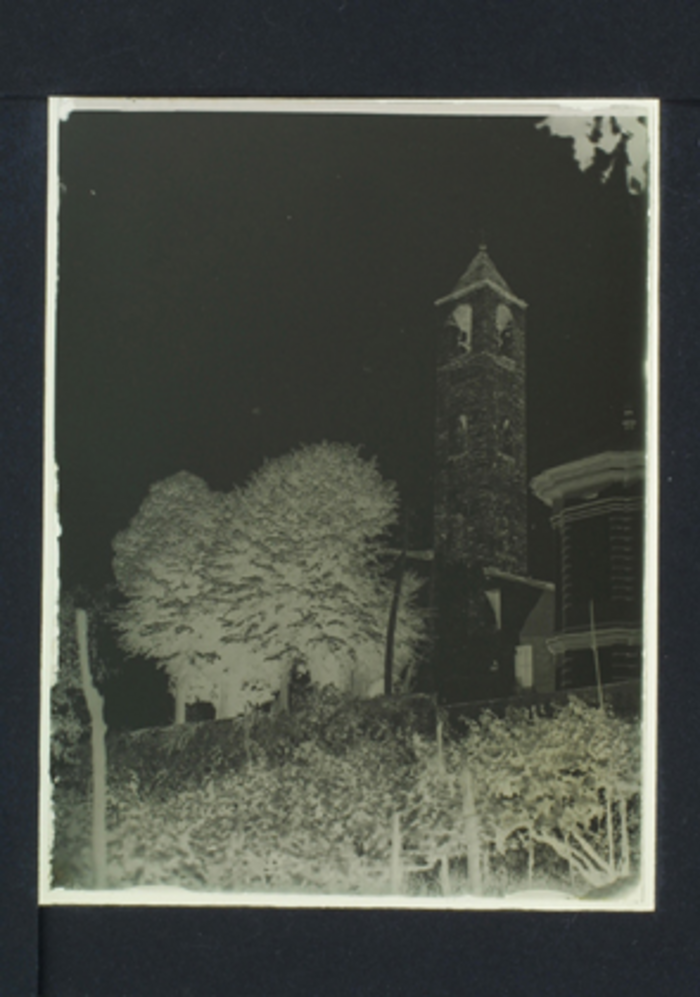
(303, 563)
(161, 565)
(600, 143)
(234, 594)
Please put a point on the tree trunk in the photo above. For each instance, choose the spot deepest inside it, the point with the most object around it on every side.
(440, 747)
(221, 708)
(95, 704)
(247, 722)
(394, 611)
(624, 839)
(180, 701)
(445, 876)
(283, 700)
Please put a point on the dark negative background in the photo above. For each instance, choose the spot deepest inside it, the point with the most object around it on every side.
(235, 284)
(122, 951)
(232, 285)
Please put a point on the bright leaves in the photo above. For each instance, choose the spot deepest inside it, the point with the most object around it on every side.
(235, 593)
(549, 791)
(601, 142)
(539, 800)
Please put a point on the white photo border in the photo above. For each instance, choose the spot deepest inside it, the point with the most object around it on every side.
(637, 899)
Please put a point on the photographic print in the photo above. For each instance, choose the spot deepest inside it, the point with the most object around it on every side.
(350, 504)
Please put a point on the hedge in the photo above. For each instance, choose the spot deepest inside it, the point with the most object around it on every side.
(362, 797)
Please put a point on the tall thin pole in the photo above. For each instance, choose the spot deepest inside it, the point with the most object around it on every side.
(95, 704)
(599, 683)
(395, 859)
(596, 659)
(394, 612)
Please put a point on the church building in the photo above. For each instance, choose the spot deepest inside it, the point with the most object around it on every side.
(484, 598)
(597, 505)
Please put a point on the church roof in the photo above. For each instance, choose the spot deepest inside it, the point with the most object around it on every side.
(481, 272)
(481, 268)
(589, 475)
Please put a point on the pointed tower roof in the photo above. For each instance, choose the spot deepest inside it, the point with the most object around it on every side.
(481, 272)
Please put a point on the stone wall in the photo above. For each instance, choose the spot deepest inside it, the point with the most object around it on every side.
(480, 443)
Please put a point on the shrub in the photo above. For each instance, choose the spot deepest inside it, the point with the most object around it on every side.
(323, 801)
(554, 796)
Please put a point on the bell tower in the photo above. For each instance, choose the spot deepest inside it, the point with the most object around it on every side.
(480, 513)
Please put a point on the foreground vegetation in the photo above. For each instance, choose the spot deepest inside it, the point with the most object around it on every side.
(363, 797)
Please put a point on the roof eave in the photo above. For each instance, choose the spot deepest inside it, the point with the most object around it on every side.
(597, 471)
(462, 292)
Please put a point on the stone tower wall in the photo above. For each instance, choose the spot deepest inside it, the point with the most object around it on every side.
(480, 451)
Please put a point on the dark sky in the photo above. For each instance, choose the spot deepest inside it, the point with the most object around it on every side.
(234, 284)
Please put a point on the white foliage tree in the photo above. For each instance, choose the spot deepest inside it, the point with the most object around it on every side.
(606, 140)
(232, 593)
(161, 566)
(302, 570)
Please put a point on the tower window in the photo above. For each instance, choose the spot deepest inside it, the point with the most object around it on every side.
(462, 318)
(504, 327)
